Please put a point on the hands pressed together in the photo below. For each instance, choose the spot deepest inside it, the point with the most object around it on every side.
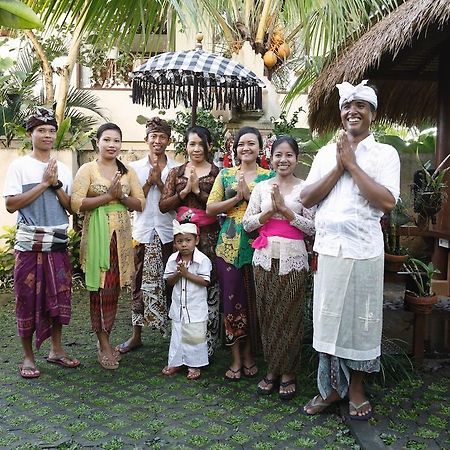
(192, 184)
(115, 190)
(345, 154)
(50, 176)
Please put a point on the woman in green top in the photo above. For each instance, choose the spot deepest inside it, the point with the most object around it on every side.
(230, 195)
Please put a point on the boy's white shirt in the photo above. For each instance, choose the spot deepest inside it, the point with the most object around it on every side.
(189, 300)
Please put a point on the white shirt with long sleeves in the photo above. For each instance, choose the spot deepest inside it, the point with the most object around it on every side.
(345, 220)
(189, 300)
(152, 220)
(291, 253)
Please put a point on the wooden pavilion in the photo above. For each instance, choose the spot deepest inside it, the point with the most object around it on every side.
(407, 56)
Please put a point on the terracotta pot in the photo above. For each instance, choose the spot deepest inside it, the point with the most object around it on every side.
(394, 263)
(420, 305)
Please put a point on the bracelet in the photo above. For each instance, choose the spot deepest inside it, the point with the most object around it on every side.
(57, 186)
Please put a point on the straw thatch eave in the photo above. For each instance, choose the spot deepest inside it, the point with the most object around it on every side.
(400, 55)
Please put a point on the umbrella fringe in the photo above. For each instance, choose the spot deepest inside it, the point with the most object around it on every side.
(210, 96)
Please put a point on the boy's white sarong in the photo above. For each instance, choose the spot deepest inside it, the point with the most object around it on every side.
(188, 347)
(348, 307)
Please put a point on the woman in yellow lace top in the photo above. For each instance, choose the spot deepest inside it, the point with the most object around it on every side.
(105, 190)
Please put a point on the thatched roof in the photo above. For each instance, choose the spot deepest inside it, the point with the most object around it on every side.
(400, 55)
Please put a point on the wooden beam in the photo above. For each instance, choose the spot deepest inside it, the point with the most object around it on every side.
(440, 255)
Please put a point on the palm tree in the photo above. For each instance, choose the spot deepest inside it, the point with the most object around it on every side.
(312, 29)
(16, 15)
(18, 98)
(111, 21)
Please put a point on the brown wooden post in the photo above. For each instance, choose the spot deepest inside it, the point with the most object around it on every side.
(440, 255)
(419, 338)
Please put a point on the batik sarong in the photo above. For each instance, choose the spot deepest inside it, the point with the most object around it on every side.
(238, 302)
(42, 287)
(103, 303)
(149, 302)
(280, 304)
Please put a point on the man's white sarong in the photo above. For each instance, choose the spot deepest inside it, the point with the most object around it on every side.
(348, 307)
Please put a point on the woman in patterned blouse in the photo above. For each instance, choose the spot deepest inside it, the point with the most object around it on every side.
(230, 195)
(186, 191)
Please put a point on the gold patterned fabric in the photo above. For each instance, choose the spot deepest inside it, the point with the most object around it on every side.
(89, 182)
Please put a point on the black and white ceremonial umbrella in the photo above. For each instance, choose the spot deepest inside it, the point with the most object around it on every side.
(194, 78)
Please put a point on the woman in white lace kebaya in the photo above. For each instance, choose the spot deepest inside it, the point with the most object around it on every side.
(280, 266)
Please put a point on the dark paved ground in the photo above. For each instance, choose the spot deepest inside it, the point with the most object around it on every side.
(136, 407)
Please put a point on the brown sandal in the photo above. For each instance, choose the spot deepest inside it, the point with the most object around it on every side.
(108, 363)
(194, 373)
(168, 371)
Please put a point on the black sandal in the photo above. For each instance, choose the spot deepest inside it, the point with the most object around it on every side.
(248, 371)
(235, 372)
(268, 381)
(288, 395)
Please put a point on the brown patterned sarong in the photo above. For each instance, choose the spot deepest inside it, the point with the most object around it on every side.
(149, 306)
(104, 301)
(42, 287)
(280, 300)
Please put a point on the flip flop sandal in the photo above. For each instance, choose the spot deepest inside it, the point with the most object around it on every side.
(64, 361)
(356, 408)
(169, 371)
(235, 377)
(108, 363)
(124, 348)
(288, 395)
(193, 373)
(29, 372)
(316, 403)
(247, 371)
(266, 391)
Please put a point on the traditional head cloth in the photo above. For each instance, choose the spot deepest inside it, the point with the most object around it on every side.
(182, 228)
(348, 93)
(157, 125)
(41, 116)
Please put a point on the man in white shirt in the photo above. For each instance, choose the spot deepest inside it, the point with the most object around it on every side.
(353, 182)
(153, 236)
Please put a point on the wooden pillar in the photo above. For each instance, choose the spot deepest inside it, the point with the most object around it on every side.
(419, 338)
(440, 255)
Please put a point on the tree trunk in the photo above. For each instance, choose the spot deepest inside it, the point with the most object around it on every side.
(66, 72)
(47, 71)
(259, 40)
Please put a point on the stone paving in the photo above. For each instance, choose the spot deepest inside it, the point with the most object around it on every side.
(136, 407)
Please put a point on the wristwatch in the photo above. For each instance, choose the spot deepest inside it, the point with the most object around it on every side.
(124, 196)
(55, 187)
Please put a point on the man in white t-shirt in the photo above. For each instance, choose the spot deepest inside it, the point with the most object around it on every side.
(353, 182)
(153, 236)
(37, 186)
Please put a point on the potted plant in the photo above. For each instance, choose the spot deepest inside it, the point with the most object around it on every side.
(394, 253)
(428, 189)
(419, 297)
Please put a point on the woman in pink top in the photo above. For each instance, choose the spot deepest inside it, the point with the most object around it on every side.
(280, 266)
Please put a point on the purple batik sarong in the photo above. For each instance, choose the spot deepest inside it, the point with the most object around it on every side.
(42, 287)
(238, 302)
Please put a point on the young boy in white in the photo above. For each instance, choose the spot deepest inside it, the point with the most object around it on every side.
(188, 271)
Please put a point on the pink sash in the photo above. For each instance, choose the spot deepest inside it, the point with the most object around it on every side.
(276, 227)
(195, 215)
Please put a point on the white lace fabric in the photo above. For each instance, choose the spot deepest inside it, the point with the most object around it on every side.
(290, 252)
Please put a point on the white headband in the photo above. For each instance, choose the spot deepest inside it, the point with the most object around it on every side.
(182, 228)
(348, 93)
